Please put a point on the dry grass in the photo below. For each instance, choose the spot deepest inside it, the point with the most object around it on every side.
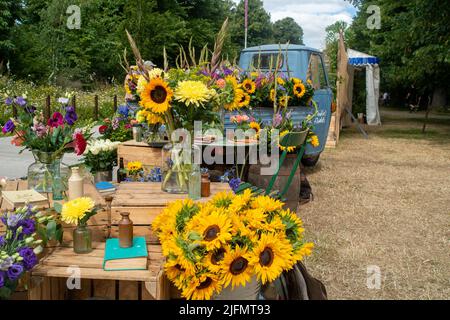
(386, 202)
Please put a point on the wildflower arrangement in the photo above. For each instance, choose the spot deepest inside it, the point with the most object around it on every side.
(56, 135)
(101, 155)
(227, 241)
(291, 92)
(78, 211)
(119, 127)
(26, 230)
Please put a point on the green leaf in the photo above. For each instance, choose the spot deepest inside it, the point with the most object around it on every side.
(51, 230)
(58, 207)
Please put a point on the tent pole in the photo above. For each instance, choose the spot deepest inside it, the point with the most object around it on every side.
(360, 128)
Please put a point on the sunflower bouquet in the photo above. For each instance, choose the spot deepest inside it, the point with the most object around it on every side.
(227, 242)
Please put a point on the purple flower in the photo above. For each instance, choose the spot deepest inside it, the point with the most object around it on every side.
(227, 71)
(2, 241)
(277, 120)
(6, 263)
(123, 110)
(234, 184)
(12, 220)
(30, 109)
(9, 126)
(71, 116)
(14, 272)
(28, 225)
(56, 120)
(40, 129)
(9, 101)
(2, 279)
(29, 258)
(115, 123)
(20, 101)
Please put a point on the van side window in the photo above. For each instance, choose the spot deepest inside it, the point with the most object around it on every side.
(266, 61)
(316, 72)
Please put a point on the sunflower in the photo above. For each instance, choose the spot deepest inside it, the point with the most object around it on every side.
(238, 95)
(284, 101)
(303, 251)
(237, 269)
(203, 287)
(75, 210)
(223, 199)
(193, 92)
(249, 86)
(287, 148)
(280, 81)
(296, 80)
(240, 201)
(267, 204)
(214, 259)
(272, 95)
(255, 126)
(244, 101)
(213, 227)
(134, 166)
(156, 96)
(176, 273)
(299, 90)
(270, 257)
(315, 141)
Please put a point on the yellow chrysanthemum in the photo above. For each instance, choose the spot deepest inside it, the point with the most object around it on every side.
(255, 126)
(203, 287)
(156, 96)
(193, 92)
(249, 86)
(155, 73)
(270, 257)
(299, 90)
(141, 84)
(214, 227)
(237, 269)
(75, 210)
(134, 166)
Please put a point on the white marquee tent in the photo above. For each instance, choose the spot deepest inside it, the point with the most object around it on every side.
(358, 59)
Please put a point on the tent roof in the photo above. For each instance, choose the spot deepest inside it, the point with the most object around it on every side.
(357, 58)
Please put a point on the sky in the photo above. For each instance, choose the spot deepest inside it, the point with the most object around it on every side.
(312, 15)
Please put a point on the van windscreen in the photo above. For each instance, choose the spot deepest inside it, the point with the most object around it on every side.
(266, 61)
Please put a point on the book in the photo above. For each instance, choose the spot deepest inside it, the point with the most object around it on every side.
(105, 187)
(119, 259)
(20, 198)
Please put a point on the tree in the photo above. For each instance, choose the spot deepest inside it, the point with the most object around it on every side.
(287, 29)
(9, 12)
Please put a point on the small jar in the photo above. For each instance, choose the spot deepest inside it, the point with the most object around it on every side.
(76, 188)
(206, 185)
(125, 231)
(137, 133)
(82, 239)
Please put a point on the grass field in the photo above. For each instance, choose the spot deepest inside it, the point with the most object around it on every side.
(384, 202)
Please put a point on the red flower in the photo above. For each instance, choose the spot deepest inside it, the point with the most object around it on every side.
(79, 143)
(56, 120)
(102, 129)
(128, 126)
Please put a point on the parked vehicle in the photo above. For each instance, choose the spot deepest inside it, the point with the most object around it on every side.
(300, 62)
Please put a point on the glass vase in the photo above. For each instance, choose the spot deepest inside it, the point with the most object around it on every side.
(82, 239)
(44, 175)
(176, 169)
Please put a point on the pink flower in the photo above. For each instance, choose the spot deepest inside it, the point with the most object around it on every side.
(128, 126)
(221, 83)
(56, 120)
(79, 143)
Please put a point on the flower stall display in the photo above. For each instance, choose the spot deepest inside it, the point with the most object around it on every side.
(231, 242)
(78, 212)
(48, 140)
(100, 157)
(118, 128)
(27, 231)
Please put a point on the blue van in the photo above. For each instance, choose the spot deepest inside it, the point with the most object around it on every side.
(300, 62)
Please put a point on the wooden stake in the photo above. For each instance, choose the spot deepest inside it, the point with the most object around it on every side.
(47, 108)
(96, 107)
(115, 103)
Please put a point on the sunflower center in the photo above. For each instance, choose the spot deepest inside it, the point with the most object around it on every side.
(205, 284)
(217, 256)
(211, 232)
(158, 94)
(266, 257)
(248, 86)
(178, 267)
(238, 266)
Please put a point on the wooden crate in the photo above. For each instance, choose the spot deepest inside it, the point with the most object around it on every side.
(139, 151)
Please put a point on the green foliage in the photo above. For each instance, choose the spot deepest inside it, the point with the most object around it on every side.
(287, 29)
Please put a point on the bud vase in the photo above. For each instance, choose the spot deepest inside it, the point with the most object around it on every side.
(82, 239)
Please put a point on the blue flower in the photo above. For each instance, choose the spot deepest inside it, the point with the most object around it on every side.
(9, 101)
(123, 110)
(28, 225)
(2, 241)
(2, 279)
(234, 184)
(71, 116)
(14, 272)
(9, 126)
(20, 101)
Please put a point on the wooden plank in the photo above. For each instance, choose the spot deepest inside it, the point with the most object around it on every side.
(139, 215)
(146, 155)
(105, 289)
(129, 290)
(35, 288)
(98, 233)
(94, 273)
(83, 293)
(10, 186)
(138, 231)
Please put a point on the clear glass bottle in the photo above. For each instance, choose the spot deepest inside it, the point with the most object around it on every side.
(137, 133)
(176, 168)
(195, 191)
(82, 239)
(43, 171)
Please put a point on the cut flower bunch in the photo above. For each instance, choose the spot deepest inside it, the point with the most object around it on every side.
(227, 241)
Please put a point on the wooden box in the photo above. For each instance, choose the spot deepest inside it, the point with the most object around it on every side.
(139, 151)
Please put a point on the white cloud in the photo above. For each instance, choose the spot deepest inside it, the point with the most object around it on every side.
(312, 15)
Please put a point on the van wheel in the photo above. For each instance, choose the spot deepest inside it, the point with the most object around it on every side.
(310, 161)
